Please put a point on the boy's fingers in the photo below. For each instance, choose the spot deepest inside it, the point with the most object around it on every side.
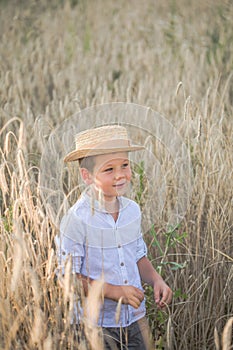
(135, 297)
(135, 302)
(165, 297)
(157, 296)
(163, 302)
(139, 294)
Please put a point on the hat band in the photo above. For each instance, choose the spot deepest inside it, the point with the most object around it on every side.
(109, 144)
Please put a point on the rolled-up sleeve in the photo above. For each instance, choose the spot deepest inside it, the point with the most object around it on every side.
(70, 242)
(141, 249)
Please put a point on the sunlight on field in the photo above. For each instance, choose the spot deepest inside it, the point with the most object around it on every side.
(59, 57)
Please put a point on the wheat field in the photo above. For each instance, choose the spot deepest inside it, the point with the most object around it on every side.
(56, 59)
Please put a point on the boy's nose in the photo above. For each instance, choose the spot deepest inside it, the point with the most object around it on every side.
(119, 174)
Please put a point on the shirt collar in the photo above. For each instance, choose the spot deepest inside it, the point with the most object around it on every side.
(96, 205)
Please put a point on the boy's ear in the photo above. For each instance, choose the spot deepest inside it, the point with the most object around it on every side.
(86, 176)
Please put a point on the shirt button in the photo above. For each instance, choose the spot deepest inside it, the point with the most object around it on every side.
(122, 264)
(125, 281)
(119, 246)
(63, 253)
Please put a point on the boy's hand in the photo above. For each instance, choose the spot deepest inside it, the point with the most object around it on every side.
(129, 294)
(162, 293)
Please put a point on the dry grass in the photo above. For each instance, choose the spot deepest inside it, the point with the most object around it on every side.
(58, 58)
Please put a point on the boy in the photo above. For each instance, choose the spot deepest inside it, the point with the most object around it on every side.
(102, 233)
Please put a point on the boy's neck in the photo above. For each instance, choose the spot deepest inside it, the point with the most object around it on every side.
(111, 206)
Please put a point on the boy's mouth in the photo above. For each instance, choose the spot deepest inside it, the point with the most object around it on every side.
(119, 185)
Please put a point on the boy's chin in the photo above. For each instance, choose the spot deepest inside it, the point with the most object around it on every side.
(121, 193)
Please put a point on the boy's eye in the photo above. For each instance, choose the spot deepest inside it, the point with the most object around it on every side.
(108, 170)
(125, 165)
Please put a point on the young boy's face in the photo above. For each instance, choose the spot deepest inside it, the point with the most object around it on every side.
(111, 174)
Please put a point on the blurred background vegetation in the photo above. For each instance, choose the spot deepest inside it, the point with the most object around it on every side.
(58, 57)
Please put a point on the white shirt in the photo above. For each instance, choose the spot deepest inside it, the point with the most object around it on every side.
(103, 248)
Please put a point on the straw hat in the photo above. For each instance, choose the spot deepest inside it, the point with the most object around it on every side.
(102, 140)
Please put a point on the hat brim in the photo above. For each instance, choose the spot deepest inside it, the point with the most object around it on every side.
(82, 153)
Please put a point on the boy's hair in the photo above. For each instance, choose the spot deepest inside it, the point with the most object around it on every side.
(87, 163)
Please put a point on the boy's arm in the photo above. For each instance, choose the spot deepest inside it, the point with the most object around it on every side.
(162, 293)
(129, 294)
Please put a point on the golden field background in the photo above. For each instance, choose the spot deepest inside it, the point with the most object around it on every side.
(58, 57)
